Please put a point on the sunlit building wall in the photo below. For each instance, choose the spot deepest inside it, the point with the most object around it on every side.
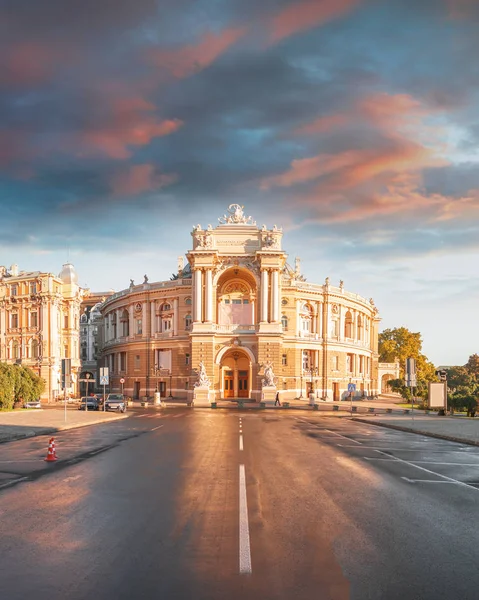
(235, 306)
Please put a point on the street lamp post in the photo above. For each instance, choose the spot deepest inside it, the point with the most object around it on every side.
(301, 384)
(87, 377)
(312, 371)
(170, 396)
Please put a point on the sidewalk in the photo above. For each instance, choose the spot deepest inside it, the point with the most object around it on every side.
(20, 424)
(460, 429)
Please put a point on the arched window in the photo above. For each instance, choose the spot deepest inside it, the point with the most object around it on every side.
(188, 322)
(284, 322)
(360, 328)
(166, 306)
(15, 350)
(35, 347)
(348, 325)
(306, 317)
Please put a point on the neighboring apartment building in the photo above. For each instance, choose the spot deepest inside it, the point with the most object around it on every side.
(39, 323)
(236, 307)
(90, 341)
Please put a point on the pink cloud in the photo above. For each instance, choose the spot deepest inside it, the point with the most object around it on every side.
(322, 124)
(186, 60)
(27, 63)
(138, 179)
(306, 14)
(460, 9)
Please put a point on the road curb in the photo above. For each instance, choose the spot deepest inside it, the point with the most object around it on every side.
(49, 430)
(432, 434)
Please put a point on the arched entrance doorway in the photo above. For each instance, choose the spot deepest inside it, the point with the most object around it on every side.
(235, 374)
(385, 388)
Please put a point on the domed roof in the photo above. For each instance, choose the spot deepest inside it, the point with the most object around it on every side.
(68, 274)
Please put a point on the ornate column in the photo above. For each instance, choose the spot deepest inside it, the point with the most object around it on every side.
(275, 295)
(298, 319)
(264, 296)
(144, 319)
(131, 322)
(197, 308)
(175, 316)
(209, 296)
(153, 317)
(319, 321)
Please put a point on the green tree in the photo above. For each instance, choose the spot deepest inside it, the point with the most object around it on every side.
(18, 384)
(472, 365)
(398, 344)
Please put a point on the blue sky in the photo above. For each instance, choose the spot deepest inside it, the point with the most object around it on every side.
(351, 123)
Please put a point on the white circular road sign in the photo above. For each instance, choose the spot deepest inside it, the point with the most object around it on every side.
(122, 380)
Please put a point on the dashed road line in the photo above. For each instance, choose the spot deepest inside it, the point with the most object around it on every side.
(244, 543)
(155, 428)
(241, 442)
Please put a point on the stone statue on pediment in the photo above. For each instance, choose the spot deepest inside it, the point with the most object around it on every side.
(236, 216)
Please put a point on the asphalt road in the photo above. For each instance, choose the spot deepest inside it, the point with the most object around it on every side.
(223, 504)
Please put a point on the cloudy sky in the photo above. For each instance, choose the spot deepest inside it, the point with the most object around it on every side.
(354, 124)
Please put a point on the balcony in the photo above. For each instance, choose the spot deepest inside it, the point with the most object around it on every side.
(235, 328)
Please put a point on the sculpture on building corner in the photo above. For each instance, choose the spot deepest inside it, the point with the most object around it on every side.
(145, 278)
(132, 283)
(268, 379)
(202, 379)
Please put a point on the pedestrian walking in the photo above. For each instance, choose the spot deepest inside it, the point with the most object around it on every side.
(277, 399)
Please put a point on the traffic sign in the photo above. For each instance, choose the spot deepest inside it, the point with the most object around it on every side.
(122, 380)
(351, 387)
(103, 379)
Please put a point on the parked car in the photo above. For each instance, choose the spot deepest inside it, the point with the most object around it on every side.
(89, 403)
(115, 402)
(32, 404)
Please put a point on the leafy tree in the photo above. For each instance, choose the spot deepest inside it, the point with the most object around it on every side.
(18, 384)
(399, 344)
(472, 365)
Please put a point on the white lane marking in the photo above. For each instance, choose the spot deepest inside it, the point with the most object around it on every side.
(450, 479)
(244, 547)
(241, 442)
(431, 450)
(429, 462)
(73, 478)
(426, 481)
(9, 483)
(343, 436)
(142, 416)
(155, 428)
(20, 460)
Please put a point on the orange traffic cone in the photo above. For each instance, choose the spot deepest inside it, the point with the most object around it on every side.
(51, 455)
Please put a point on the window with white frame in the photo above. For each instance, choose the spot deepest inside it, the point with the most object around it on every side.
(139, 326)
(348, 325)
(33, 318)
(349, 363)
(14, 320)
(137, 361)
(14, 290)
(188, 322)
(284, 322)
(306, 360)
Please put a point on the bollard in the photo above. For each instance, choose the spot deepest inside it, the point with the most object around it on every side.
(406, 411)
(213, 405)
(335, 407)
(286, 404)
(354, 409)
(262, 404)
(240, 404)
(315, 406)
(371, 409)
(389, 410)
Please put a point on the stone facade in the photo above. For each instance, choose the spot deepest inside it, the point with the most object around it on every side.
(39, 323)
(238, 307)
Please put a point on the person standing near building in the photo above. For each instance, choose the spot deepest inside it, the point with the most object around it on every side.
(277, 399)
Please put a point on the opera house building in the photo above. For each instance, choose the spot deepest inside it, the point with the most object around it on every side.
(238, 316)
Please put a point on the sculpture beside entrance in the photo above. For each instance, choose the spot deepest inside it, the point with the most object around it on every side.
(268, 391)
(201, 394)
